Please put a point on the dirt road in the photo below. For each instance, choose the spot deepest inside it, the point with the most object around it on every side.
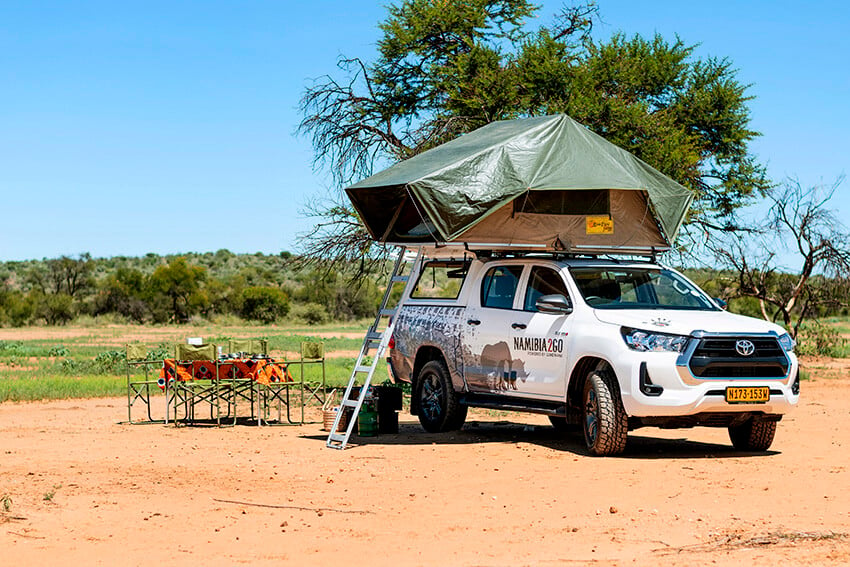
(506, 490)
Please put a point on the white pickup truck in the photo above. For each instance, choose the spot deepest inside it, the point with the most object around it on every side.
(610, 345)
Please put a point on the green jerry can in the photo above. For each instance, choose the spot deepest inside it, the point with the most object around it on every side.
(367, 421)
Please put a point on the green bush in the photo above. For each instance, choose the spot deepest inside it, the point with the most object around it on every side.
(265, 304)
(819, 339)
(311, 313)
(59, 350)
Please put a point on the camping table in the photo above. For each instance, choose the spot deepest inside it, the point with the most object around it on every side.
(239, 376)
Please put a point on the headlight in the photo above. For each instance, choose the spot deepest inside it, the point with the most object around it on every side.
(647, 341)
(787, 343)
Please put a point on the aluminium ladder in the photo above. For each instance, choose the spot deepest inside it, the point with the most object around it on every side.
(377, 340)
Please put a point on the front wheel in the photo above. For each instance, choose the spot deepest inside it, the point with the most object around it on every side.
(439, 408)
(752, 435)
(605, 424)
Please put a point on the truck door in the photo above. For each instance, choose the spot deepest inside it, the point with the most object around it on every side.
(487, 353)
(541, 339)
(514, 349)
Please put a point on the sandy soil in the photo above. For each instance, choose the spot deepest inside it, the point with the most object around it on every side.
(506, 490)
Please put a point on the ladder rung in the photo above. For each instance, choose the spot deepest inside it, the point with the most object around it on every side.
(363, 369)
(350, 403)
(399, 278)
(387, 312)
(338, 437)
(374, 335)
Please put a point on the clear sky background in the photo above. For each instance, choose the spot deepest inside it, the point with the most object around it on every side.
(149, 126)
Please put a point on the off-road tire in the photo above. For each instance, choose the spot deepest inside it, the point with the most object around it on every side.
(605, 424)
(752, 435)
(439, 408)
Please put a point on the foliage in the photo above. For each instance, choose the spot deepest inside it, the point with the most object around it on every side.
(817, 338)
(265, 304)
(176, 290)
(443, 68)
(312, 313)
(58, 350)
(343, 298)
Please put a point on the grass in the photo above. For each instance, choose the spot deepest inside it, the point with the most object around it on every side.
(88, 361)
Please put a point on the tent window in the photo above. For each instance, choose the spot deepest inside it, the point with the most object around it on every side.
(582, 202)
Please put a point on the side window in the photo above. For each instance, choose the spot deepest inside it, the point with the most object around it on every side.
(499, 286)
(543, 281)
(440, 280)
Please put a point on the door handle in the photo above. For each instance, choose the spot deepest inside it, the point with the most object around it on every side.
(473, 322)
(518, 326)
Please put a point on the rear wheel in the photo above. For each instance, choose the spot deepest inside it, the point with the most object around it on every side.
(752, 435)
(439, 408)
(605, 425)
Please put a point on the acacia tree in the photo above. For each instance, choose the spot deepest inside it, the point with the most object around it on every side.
(445, 67)
(179, 283)
(801, 224)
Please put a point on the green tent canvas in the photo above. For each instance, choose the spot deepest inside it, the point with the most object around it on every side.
(546, 182)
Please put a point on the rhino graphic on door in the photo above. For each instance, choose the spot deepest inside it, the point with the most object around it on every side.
(501, 369)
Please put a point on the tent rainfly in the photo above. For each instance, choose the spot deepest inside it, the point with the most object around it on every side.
(542, 183)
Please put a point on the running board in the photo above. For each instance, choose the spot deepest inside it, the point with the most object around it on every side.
(505, 403)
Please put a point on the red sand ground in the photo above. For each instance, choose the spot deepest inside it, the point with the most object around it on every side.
(506, 490)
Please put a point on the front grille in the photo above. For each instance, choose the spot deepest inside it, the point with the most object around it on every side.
(716, 357)
(725, 348)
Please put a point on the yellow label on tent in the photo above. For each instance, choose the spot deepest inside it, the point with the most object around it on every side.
(599, 225)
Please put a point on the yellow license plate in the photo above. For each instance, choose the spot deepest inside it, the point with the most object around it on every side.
(747, 394)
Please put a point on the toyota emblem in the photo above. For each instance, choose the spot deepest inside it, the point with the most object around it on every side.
(744, 347)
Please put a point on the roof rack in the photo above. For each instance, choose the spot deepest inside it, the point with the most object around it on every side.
(519, 250)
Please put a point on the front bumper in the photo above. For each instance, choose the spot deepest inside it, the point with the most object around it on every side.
(677, 391)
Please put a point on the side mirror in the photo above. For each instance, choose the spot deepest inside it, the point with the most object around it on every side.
(720, 303)
(555, 304)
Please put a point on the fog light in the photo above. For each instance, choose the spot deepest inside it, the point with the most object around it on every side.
(646, 385)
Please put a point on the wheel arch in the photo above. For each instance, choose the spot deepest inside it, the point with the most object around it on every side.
(424, 355)
(575, 389)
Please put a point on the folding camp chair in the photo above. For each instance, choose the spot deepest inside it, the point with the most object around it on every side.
(272, 381)
(136, 355)
(240, 370)
(313, 353)
(196, 373)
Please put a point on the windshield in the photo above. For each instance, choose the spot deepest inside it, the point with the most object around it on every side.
(639, 288)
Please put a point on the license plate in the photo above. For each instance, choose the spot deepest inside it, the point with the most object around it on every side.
(747, 394)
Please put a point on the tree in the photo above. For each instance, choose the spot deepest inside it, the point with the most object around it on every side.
(445, 67)
(265, 304)
(64, 275)
(800, 223)
(180, 284)
(123, 292)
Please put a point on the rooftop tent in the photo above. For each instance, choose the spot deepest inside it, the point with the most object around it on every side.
(545, 182)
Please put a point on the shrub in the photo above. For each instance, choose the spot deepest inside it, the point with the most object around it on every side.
(311, 313)
(264, 304)
(819, 339)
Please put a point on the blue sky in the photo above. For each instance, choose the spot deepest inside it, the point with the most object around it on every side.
(133, 127)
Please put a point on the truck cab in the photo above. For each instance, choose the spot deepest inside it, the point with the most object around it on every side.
(604, 345)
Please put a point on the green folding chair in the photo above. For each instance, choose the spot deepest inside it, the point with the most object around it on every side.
(135, 356)
(204, 390)
(314, 353)
(245, 388)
